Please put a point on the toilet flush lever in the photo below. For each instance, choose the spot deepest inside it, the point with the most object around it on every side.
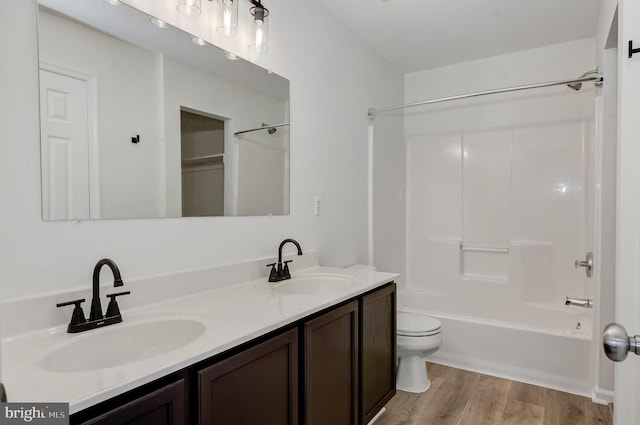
(587, 264)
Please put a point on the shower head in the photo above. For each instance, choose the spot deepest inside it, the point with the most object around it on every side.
(575, 86)
(270, 130)
(578, 85)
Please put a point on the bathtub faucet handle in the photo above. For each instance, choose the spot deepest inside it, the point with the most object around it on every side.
(579, 302)
(587, 264)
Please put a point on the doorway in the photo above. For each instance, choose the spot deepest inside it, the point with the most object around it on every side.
(202, 158)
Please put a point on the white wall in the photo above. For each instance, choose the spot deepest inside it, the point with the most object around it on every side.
(334, 77)
(130, 183)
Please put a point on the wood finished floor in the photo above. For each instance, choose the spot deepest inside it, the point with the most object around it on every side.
(459, 397)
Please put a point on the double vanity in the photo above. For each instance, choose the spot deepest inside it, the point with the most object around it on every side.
(218, 345)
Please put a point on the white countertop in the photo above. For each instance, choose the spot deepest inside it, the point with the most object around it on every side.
(232, 315)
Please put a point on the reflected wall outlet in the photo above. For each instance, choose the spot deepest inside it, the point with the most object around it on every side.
(317, 205)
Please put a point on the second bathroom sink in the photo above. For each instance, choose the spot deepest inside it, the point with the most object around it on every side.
(314, 283)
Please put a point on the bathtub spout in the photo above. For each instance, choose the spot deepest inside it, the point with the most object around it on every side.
(579, 302)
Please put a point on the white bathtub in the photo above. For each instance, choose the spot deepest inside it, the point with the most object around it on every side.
(546, 345)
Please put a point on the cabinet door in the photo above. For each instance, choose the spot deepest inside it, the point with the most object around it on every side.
(257, 386)
(160, 407)
(331, 367)
(378, 351)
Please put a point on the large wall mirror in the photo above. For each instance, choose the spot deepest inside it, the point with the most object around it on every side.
(139, 121)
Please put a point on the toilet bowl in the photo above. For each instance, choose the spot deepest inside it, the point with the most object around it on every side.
(417, 337)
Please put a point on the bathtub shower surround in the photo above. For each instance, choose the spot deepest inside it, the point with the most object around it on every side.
(507, 253)
(500, 206)
(517, 198)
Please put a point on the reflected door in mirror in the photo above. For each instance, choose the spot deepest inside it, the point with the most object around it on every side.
(64, 142)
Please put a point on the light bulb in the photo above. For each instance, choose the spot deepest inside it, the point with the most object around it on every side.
(189, 7)
(259, 31)
(228, 18)
(259, 36)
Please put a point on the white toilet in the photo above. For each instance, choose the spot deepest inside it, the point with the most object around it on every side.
(417, 337)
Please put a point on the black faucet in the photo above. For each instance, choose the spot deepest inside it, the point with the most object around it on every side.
(96, 318)
(96, 305)
(282, 272)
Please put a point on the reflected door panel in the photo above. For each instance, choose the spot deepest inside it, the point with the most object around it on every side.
(64, 146)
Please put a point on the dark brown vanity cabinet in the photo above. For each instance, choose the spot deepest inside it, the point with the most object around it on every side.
(377, 351)
(256, 386)
(336, 367)
(331, 367)
(164, 406)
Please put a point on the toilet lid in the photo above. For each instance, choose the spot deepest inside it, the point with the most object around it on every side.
(410, 324)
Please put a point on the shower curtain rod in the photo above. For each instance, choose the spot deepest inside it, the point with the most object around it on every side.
(597, 78)
(264, 127)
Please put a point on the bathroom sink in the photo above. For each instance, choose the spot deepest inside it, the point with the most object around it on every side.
(122, 344)
(315, 283)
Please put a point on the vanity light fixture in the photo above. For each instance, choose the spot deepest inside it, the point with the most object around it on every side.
(157, 22)
(197, 40)
(228, 17)
(258, 32)
(189, 7)
(113, 2)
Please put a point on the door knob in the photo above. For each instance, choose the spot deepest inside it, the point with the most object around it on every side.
(587, 264)
(617, 343)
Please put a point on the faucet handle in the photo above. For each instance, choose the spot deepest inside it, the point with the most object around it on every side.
(287, 274)
(77, 317)
(273, 275)
(112, 308)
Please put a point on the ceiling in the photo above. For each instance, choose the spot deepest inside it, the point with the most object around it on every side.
(415, 35)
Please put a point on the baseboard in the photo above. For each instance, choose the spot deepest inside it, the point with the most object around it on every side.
(601, 396)
(375, 418)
